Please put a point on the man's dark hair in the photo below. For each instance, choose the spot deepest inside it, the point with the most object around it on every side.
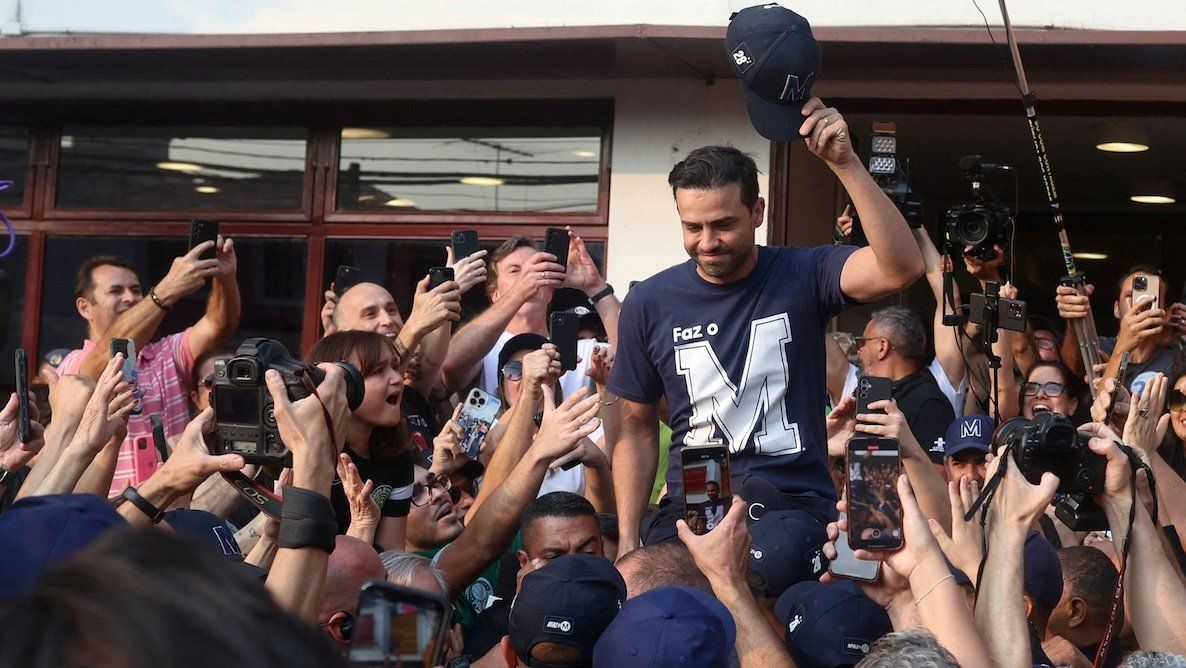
(555, 504)
(1090, 575)
(216, 353)
(1143, 268)
(84, 282)
(663, 564)
(608, 523)
(504, 249)
(712, 167)
(148, 598)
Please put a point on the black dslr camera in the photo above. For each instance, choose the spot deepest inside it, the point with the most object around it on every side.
(244, 416)
(1051, 443)
(983, 223)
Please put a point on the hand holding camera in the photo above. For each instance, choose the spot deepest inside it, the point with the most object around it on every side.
(191, 462)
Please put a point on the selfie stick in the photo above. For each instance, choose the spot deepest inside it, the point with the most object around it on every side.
(1084, 327)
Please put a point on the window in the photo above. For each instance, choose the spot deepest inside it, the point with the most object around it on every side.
(12, 308)
(542, 169)
(181, 169)
(14, 161)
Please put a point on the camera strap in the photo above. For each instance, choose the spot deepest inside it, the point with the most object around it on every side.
(255, 492)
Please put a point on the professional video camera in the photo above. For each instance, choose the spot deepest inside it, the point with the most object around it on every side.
(1050, 443)
(981, 224)
(244, 415)
(887, 172)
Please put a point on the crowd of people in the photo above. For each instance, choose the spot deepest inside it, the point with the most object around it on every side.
(541, 530)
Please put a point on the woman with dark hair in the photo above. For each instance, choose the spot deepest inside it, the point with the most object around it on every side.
(1051, 386)
(375, 438)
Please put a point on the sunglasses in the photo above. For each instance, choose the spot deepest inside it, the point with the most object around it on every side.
(513, 370)
(1044, 343)
(859, 342)
(1176, 400)
(422, 492)
(1051, 389)
(208, 381)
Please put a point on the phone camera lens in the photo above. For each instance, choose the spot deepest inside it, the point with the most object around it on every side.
(473, 402)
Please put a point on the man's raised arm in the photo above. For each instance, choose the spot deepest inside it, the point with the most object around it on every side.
(222, 308)
(635, 460)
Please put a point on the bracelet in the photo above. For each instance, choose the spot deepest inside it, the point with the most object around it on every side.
(609, 290)
(157, 300)
(611, 402)
(307, 520)
(949, 576)
(144, 505)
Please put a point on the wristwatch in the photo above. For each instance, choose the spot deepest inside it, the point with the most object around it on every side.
(4, 475)
(609, 290)
(155, 514)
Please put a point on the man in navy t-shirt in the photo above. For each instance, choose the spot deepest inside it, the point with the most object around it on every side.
(734, 337)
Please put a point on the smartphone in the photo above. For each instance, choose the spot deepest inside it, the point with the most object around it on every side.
(1143, 285)
(438, 275)
(128, 348)
(465, 243)
(874, 510)
(144, 458)
(201, 231)
(398, 626)
(846, 564)
(346, 278)
(1010, 312)
(870, 390)
(24, 433)
(562, 331)
(476, 418)
(158, 437)
(1120, 378)
(556, 243)
(707, 495)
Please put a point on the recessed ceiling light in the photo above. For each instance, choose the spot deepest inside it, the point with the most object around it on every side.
(179, 166)
(584, 154)
(482, 181)
(1089, 256)
(365, 198)
(1122, 147)
(1153, 199)
(1121, 138)
(364, 133)
(399, 202)
(206, 190)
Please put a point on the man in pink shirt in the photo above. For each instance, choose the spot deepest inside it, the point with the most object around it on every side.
(109, 297)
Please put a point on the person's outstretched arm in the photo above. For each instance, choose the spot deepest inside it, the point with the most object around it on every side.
(635, 461)
(947, 345)
(222, 308)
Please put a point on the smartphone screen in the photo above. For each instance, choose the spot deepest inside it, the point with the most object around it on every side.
(846, 564)
(874, 510)
(556, 243)
(871, 389)
(465, 243)
(24, 433)
(563, 328)
(438, 275)
(706, 486)
(476, 419)
(398, 626)
(346, 278)
(201, 231)
(131, 375)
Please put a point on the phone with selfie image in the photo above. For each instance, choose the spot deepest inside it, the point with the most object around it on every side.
(563, 329)
(707, 495)
(128, 348)
(201, 231)
(874, 509)
(398, 626)
(346, 278)
(870, 390)
(846, 564)
(439, 275)
(478, 413)
(465, 243)
(24, 430)
(1146, 287)
(556, 243)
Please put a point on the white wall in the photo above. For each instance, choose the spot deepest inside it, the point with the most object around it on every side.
(296, 16)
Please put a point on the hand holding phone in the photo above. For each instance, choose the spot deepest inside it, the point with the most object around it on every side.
(201, 231)
(846, 564)
(707, 492)
(439, 275)
(478, 413)
(556, 243)
(346, 278)
(874, 509)
(1146, 288)
(127, 347)
(24, 430)
(563, 328)
(870, 390)
(465, 243)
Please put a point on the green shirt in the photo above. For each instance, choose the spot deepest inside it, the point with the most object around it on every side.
(477, 596)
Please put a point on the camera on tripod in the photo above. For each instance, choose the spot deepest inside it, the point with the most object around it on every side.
(887, 172)
(1050, 443)
(244, 414)
(973, 229)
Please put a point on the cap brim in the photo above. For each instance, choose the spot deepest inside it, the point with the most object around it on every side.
(776, 122)
(965, 446)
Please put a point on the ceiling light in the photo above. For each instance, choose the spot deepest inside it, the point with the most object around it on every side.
(1153, 199)
(482, 181)
(1089, 256)
(179, 166)
(364, 133)
(1121, 138)
(365, 198)
(1153, 192)
(206, 190)
(399, 202)
(584, 154)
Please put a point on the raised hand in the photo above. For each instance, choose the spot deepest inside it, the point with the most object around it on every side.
(327, 311)
(826, 134)
(1142, 322)
(191, 461)
(189, 272)
(446, 447)
(600, 365)
(468, 271)
(841, 423)
(964, 548)
(723, 553)
(565, 425)
(1072, 305)
(1146, 426)
(985, 270)
(539, 271)
(303, 424)
(893, 424)
(1099, 408)
(582, 272)
(1017, 502)
(224, 255)
(108, 408)
(433, 308)
(542, 367)
(13, 453)
(364, 512)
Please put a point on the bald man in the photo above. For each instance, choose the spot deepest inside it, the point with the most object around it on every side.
(352, 563)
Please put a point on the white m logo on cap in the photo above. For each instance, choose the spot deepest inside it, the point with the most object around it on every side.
(971, 428)
(794, 90)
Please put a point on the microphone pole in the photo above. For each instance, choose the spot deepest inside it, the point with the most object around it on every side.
(1084, 327)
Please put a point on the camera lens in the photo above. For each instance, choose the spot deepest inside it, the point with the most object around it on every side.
(973, 227)
(473, 401)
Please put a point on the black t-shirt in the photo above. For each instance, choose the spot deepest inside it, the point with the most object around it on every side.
(420, 419)
(393, 486)
(927, 411)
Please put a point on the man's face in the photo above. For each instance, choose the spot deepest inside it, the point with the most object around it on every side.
(966, 463)
(553, 537)
(370, 308)
(871, 350)
(434, 524)
(719, 231)
(510, 268)
(713, 491)
(115, 290)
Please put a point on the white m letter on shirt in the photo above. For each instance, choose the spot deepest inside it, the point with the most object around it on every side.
(717, 404)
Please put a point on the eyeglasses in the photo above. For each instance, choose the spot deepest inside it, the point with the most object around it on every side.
(422, 492)
(1051, 389)
(513, 370)
(1177, 401)
(1043, 343)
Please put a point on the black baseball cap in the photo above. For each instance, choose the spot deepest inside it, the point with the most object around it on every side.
(831, 624)
(777, 59)
(786, 549)
(570, 601)
(528, 341)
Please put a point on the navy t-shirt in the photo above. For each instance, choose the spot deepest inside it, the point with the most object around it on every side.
(741, 364)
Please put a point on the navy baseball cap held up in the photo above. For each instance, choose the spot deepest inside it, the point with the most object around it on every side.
(777, 59)
(668, 626)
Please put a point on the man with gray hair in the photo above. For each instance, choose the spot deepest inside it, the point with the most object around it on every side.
(894, 345)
